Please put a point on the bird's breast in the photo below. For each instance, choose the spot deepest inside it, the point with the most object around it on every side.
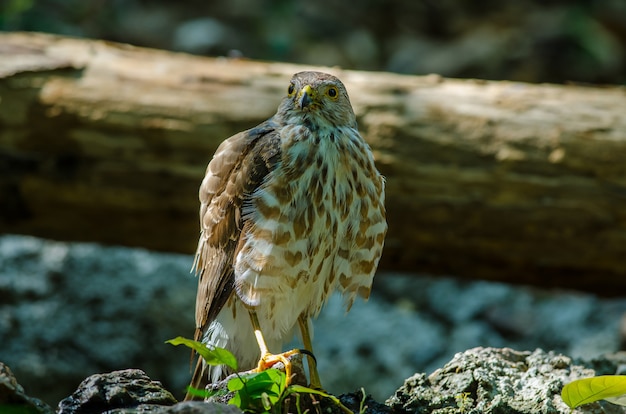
(302, 216)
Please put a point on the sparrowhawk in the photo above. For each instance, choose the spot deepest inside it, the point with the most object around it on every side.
(291, 210)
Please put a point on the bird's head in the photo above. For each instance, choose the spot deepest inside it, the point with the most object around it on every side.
(319, 98)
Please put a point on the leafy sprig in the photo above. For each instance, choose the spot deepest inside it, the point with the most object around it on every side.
(254, 392)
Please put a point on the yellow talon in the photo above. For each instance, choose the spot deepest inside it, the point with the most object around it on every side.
(268, 359)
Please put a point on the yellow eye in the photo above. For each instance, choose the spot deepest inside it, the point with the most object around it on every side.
(332, 92)
(290, 89)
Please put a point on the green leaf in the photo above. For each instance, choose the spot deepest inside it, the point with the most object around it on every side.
(236, 384)
(300, 388)
(267, 401)
(276, 378)
(212, 355)
(240, 401)
(270, 381)
(198, 392)
(257, 390)
(588, 390)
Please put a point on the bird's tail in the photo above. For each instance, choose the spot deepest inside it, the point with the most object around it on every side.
(199, 380)
(203, 373)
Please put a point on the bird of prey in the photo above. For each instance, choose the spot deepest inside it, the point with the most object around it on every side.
(291, 210)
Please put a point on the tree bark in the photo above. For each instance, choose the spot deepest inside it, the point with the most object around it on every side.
(498, 180)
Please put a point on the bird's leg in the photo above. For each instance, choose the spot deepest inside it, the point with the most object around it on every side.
(306, 339)
(268, 359)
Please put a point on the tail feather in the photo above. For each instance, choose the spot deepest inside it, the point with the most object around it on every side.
(199, 379)
(204, 374)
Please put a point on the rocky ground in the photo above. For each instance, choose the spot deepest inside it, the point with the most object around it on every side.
(70, 310)
(477, 381)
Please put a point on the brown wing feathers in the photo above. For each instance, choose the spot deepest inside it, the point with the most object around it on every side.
(239, 166)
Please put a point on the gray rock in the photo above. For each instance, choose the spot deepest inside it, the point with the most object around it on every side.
(13, 399)
(132, 392)
(126, 389)
(186, 407)
(359, 403)
(490, 381)
(68, 310)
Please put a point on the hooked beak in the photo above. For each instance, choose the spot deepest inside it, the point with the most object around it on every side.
(306, 97)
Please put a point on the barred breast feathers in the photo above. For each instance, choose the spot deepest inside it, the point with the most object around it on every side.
(331, 202)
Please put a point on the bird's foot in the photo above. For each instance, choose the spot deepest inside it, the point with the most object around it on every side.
(268, 360)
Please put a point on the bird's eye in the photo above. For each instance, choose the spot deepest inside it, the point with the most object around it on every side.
(332, 92)
(290, 89)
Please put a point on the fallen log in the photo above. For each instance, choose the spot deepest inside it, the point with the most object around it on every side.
(497, 180)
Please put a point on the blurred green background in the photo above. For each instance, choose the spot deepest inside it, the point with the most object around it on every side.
(523, 40)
